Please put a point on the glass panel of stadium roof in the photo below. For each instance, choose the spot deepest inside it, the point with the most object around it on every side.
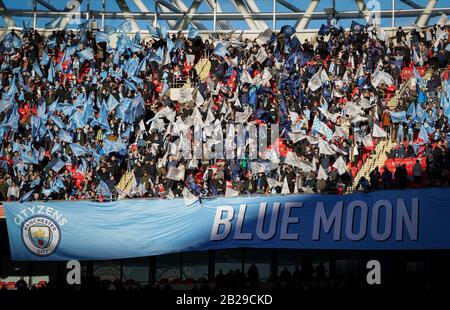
(210, 15)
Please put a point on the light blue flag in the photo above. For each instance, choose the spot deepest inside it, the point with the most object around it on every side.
(132, 66)
(125, 26)
(113, 146)
(4, 104)
(423, 134)
(51, 73)
(126, 134)
(109, 29)
(163, 32)
(36, 69)
(398, 117)
(411, 110)
(27, 159)
(64, 136)
(152, 31)
(55, 148)
(112, 103)
(51, 43)
(220, 50)
(53, 23)
(101, 36)
(59, 183)
(45, 58)
(170, 45)
(78, 150)
(129, 85)
(103, 190)
(86, 54)
(193, 33)
(143, 65)
(35, 183)
(417, 76)
(137, 38)
(57, 121)
(27, 196)
(76, 120)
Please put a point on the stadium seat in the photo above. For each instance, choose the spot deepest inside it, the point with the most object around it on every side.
(11, 285)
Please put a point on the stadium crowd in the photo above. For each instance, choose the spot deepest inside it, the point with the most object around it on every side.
(81, 108)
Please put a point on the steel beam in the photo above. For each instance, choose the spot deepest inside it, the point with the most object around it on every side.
(289, 6)
(303, 22)
(235, 16)
(223, 24)
(183, 23)
(423, 19)
(239, 4)
(180, 4)
(48, 5)
(253, 8)
(9, 22)
(363, 9)
(412, 4)
(124, 8)
(165, 8)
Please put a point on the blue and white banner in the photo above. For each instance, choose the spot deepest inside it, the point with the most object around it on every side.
(63, 230)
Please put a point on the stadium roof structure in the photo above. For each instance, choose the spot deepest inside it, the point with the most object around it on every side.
(220, 15)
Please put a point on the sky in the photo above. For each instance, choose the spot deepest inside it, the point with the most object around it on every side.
(227, 6)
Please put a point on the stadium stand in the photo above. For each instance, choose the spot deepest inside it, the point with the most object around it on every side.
(83, 118)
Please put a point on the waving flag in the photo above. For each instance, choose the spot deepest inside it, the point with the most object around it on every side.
(112, 103)
(64, 136)
(324, 30)
(86, 54)
(398, 117)
(51, 73)
(101, 36)
(189, 198)
(287, 30)
(36, 69)
(78, 150)
(411, 110)
(220, 50)
(103, 190)
(58, 165)
(153, 32)
(315, 82)
(356, 27)
(27, 196)
(193, 33)
(378, 132)
(320, 127)
(114, 146)
(125, 26)
(423, 134)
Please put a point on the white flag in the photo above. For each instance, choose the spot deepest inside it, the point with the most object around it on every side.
(340, 165)
(176, 174)
(378, 132)
(325, 148)
(188, 197)
(261, 56)
(322, 174)
(443, 20)
(315, 82)
(230, 192)
(285, 190)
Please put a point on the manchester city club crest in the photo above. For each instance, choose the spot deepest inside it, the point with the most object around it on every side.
(41, 235)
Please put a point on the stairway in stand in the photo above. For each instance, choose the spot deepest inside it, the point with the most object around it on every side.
(203, 66)
(126, 182)
(377, 159)
(383, 147)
